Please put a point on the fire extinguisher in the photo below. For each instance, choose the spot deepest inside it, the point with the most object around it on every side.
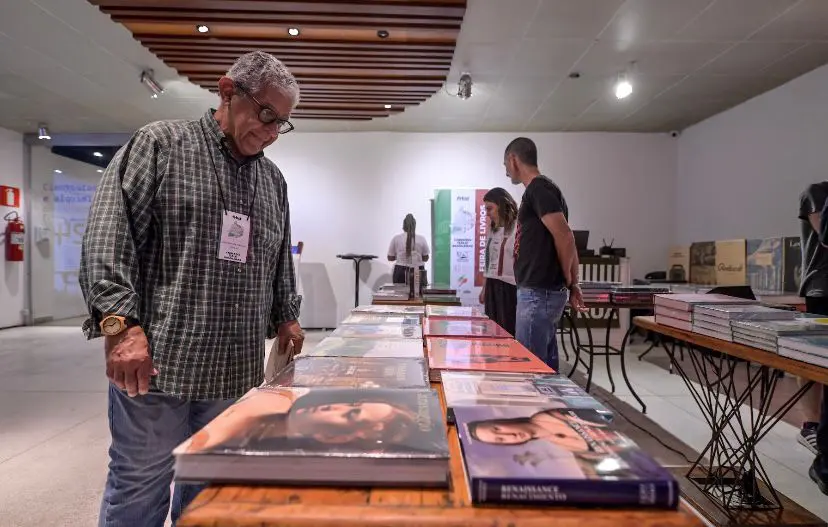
(15, 236)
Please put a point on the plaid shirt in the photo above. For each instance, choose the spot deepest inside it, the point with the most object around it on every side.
(150, 252)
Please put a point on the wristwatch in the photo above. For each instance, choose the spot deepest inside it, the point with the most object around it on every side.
(113, 324)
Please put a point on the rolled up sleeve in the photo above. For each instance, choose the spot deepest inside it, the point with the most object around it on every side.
(118, 225)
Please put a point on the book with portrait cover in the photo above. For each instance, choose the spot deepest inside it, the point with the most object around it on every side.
(480, 355)
(455, 312)
(349, 372)
(466, 388)
(479, 328)
(351, 347)
(557, 456)
(379, 331)
(321, 436)
(373, 319)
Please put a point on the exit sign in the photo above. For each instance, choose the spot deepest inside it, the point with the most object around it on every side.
(9, 196)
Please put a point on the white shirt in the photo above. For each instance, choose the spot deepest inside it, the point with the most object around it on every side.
(418, 251)
(501, 256)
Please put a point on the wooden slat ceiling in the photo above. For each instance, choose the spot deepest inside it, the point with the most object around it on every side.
(344, 68)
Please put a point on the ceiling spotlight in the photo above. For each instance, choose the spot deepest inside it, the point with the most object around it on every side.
(149, 81)
(623, 87)
(201, 28)
(382, 33)
(464, 87)
(58, 171)
(97, 154)
(43, 132)
(293, 31)
(100, 171)
(387, 106)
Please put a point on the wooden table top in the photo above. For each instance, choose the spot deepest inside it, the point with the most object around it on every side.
(807, 371)
(270, 506)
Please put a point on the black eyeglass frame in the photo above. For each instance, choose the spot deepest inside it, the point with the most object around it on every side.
(265, 108)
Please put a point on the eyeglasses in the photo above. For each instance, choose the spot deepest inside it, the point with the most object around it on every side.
(268, 115)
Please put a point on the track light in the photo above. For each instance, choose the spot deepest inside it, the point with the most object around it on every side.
(43, 132)
(464, 87)
(623, 87)
(149, 81)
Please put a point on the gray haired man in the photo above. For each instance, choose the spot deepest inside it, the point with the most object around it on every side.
(186, 269)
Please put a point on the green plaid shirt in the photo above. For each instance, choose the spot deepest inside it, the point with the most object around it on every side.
(150, 252)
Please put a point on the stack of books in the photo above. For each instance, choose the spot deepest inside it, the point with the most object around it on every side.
(812, 349)
(439, 289)
(440, 299)
(598, 291)
(391, 295)
(716, 320)
(765, 334)
(676, 310)
(636, 294)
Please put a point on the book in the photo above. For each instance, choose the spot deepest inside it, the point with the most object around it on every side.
(686, 302)
(744, 312)
(455, 312)
(321, 436)
(441, 299)
(478, 328)
(764, 264)
(674, 313)
(792, 264)
(703, 263)
(379, 331)
(351, 372)
(685, 325)
(503, 355)
(730, 262)
(771, 329)
(372, 319)
(514, 389)
(390, 309)
(678, 264)
(351, 347)
(557, 456)
(811, 344)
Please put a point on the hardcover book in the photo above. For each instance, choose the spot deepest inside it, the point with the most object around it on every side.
(349, 372)
(687, 302)
(477, 328)
(390, 309)
(730, 262)
(373, 319)
(749, 312)
(703, 263)
(322, 436)
(515, 389)
(764, 264)
(351, 347)
(557, 456)
(386, 331)
(489, 355)
(792, 255)
(678, 264)
(455, 312)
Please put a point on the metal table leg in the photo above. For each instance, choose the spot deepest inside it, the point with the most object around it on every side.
(624, 368)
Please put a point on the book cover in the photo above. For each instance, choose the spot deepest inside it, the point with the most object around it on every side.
(749, 312)
(379, 331)
(373, 319)
(557, 456)
(703, 263)
(811, 344)
(514, 389)
(455, 312)
(326, 436)
(678, 263)
(662, 311)
(792, 258)
(351, 347)
(350, 372)
(482, 355)
(730, 262)
(764, 264)
(688, 301)
(477, 328)
(390, 309)
(797, 326)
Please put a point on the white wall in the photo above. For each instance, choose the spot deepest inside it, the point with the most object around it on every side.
(12, 274)
(60, 206)
(740, 173)
(350, 192)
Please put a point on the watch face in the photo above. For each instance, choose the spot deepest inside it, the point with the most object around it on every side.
(111, 326)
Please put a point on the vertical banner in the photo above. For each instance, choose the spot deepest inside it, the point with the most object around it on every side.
(460, 229)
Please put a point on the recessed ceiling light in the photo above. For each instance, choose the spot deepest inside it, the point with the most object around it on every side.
(97, 154)
(201, 28)
(623, 89)
(387, 106)
(100, 171)
(382, 33)
(293, 31)
(43, 132)
(58, 171)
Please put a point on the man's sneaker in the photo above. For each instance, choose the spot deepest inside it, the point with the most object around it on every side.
(808, 437)
(819, 476)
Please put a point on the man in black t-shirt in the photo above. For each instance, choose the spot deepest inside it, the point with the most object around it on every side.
(546, 261)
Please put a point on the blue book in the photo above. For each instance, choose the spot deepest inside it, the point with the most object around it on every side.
(557, 456)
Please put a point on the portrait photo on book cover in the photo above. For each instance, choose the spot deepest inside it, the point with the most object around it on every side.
(323, 420)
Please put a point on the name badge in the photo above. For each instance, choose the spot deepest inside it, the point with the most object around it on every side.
(235, 237)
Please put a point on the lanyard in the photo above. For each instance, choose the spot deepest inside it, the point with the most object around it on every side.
(218, 179)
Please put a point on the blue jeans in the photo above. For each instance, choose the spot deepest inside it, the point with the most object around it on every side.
(538, 314)
(145, 430)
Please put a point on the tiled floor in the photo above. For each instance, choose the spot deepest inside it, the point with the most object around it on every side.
(54, 437)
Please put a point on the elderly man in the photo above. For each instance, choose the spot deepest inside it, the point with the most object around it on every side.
(186, 269)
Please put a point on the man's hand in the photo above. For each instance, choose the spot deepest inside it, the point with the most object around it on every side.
(128, 362)
(576, 299)
(290, 332)
(482, 297)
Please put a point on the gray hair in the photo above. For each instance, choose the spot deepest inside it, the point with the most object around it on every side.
(257, 70)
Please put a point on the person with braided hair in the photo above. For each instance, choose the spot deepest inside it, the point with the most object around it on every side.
(408, 251)
(499, 294)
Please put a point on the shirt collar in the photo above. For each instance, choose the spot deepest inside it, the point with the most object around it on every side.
(214, 131)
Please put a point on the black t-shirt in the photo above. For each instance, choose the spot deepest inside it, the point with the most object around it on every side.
(536, 259)
(814, 255)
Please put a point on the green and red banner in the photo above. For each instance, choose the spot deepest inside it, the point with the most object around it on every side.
(459, 231)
